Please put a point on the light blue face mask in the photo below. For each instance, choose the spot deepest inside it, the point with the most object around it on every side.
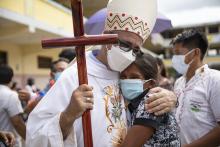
(131, 88)
(57, 75)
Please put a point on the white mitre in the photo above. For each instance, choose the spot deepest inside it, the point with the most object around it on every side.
(137, 16)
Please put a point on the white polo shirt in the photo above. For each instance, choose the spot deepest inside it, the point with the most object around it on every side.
(199, 104)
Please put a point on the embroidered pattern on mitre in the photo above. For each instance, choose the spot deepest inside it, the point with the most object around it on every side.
(117, 21)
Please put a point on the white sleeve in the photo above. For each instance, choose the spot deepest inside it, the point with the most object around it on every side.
(214, 94)
(14, 105)
(43, 129)
(50, 135)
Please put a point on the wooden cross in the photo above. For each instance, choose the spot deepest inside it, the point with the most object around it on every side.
(80, 41)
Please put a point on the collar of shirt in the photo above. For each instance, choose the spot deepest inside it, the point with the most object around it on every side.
(4, 87)
(201, 69)
(198, 73)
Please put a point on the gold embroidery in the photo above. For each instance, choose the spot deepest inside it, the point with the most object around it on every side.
(117, 125)
(118, 139)
(107, 113)
(109, 90)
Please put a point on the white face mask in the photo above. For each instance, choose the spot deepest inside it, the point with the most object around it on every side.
(119, 60)
(178, 62)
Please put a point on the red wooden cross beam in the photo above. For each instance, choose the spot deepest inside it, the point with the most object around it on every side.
(80, 40)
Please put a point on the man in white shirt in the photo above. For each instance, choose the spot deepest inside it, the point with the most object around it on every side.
(56, 120)
(198, 91)
(10, 107)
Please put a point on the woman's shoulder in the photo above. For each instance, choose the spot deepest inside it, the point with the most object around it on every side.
(142, 117)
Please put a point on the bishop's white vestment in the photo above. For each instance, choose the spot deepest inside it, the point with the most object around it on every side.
(108, 116)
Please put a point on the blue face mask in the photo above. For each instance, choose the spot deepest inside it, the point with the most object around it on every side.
(57, 75)
(131, 88)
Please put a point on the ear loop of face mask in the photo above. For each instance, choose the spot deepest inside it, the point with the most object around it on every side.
(154, 81)
(154, 85)
(136, 101)
(187, 55)
(146, 90)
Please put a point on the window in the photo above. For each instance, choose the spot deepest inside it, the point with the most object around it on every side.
(213, 29)
(3, 57)
(44, 62)
(169, 34)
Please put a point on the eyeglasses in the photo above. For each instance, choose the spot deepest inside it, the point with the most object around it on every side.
(127, 46)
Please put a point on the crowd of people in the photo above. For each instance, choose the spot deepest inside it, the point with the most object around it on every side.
(129, 95)
(17, 103)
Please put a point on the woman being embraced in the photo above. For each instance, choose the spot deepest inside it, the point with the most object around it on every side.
(147, 130)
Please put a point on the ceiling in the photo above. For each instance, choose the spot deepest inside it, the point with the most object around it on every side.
(23, 35)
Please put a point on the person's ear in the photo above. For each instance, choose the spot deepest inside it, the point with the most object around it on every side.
(150, 84)
(197, 52)
(153, 83)
(147, 85)
(52, 74)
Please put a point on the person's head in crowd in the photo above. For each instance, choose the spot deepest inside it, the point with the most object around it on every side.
(58, 67)
(14, 86)
(164, 81)
(139, 77)
(161, 67)
(69, 54)
(189, 49)
(30, 81)
(6, 74)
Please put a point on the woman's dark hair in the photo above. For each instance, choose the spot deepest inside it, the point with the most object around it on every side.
(6, 74)
(162, 67)
(147, 65)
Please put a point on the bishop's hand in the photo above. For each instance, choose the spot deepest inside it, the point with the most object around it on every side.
(160, 101)
(81, 100)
